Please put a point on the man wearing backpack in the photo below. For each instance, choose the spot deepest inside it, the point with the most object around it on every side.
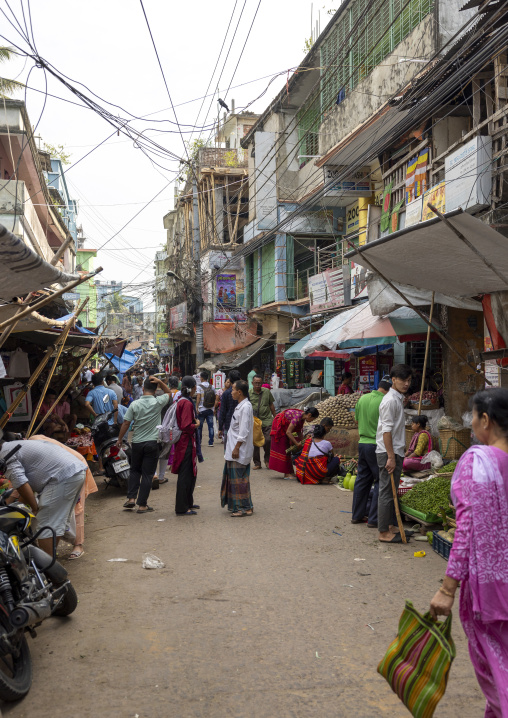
(205, 403)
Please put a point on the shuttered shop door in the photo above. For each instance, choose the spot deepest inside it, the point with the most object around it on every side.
(268, 273)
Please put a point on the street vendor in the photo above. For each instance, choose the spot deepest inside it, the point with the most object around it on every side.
(61, 421)
(345, 387)
(287, 430)
(317, 464)
(421, 444)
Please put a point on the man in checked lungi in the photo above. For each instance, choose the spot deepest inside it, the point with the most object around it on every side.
(235, 490)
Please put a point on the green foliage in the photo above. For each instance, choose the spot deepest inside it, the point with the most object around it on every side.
(231, 158)
(57, 152)
(8, 87)
(308, 45)
(115, 303)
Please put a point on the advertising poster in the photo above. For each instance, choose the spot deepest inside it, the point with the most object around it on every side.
(385, 212)
(178, 316)
(227, 308)
(436, 196)
(367, 367)
(326, 290)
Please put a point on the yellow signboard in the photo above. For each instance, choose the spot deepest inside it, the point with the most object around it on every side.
(436, 196)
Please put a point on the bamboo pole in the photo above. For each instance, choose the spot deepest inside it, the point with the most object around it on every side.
(65, 334)
(397, 510)
(46, 300)
(87, 355)
(240, 195)
(427, 346)
(214, 212)
(228, 213)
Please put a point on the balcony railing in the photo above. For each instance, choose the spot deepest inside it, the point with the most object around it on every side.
(18, 213)
(222, 157)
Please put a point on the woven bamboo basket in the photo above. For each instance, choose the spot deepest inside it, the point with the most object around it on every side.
(454, 443)
(409, 436)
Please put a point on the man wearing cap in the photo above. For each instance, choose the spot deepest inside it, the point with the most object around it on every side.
(367, 416)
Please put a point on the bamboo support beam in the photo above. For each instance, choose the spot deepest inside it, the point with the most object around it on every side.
(228, 213)
(65, 334)
(240, 195)
(214, 212)
(87, 355)
(427, 346)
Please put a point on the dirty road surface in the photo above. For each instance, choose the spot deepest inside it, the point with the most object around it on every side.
(262, 616)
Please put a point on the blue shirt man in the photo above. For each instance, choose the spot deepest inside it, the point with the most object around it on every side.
(101, 400)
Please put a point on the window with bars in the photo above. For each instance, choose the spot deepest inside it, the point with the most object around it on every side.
(384, 26)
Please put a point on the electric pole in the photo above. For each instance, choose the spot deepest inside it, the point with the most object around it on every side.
(200, 352)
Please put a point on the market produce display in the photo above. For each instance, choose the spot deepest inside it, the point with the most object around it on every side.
(448, 468)
(429, 496)
(340, 409)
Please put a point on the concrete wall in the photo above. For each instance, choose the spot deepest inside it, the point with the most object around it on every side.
(377, 88)
(450, 18)
(465, 330)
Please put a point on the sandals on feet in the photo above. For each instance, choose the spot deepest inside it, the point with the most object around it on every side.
(129, 505)
(76, 553)
(146, 511)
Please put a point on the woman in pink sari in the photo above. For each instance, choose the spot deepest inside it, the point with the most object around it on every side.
(421, 444)
(479, 555)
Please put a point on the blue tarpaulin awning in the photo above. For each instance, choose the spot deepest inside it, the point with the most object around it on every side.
(294, 351)
(124, 363)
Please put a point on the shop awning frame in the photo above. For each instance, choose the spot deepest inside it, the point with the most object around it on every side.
(231, 360)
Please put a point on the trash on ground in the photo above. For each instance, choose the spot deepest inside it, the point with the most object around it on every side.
(152, 561)
(360, 559)
(419, 554)
(336, 532)
(110, 560)
(161, 519)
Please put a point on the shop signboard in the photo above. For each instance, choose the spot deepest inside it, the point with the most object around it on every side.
(326, 290)
(356, 184)
(178, 316)
(414, 212)
(491, 373)
(227, 307)
(468, 175)
(161, 338)
(352, 218)
(71, 296)
(437, 196)
(367, 367)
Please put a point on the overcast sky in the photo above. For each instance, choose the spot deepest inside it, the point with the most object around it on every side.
(105, 45)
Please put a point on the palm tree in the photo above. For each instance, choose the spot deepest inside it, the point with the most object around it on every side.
(8, 87)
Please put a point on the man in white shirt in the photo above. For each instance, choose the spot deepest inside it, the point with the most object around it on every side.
(205, 404)
(87, 375)
(390, 449)
(235, 489)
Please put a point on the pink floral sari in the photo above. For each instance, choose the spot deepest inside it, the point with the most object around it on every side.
(479, 559)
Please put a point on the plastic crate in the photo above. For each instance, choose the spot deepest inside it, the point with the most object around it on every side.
(427, 518)
(441, 545)
(403, 490)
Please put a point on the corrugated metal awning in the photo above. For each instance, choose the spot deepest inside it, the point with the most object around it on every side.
(233, 359)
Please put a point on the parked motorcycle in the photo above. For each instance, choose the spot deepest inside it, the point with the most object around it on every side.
(33, 587)
(116, 462)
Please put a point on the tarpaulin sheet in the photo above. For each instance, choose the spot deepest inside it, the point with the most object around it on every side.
(429, 255)
(30, 322)
(383, 299)
(124, 363)
(221, 338)
(294, 351)
(22, 270)
(230, 360)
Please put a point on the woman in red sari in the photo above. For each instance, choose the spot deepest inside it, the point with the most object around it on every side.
(285, 425)
(184, 460)
(317, 463)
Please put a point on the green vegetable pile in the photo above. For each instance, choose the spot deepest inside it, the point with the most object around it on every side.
(429, 496)
(448, 469)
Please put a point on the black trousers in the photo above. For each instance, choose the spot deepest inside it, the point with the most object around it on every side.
(266, 447)
(368, 474)
(185, 483)
(144, 460)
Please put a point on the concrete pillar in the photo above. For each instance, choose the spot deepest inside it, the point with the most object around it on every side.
(280, 268)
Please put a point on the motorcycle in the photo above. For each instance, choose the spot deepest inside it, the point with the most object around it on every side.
(33, 587)
(116, 462)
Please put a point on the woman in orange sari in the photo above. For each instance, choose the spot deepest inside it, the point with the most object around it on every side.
(316, 464)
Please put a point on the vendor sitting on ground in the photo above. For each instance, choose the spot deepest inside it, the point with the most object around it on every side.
(60, 422)
(317, 464)
(345, 387)
(421, 444)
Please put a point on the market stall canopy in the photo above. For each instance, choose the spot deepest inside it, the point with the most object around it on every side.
(22, 271)
(45, 338)
(383, 299)
(429, 255)
(31, 321)
(231, 360)
(359, 327)
(77, 328)
(294, 351)
(348, 353)
(228, 336)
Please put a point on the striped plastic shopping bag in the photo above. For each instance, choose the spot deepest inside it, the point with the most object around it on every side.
(418, 661)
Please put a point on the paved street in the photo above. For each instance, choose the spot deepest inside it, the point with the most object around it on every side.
(254, 617)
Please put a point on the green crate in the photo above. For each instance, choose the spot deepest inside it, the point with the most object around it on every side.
(428, 518)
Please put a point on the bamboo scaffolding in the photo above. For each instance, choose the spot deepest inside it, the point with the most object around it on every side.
(427, 346)
(228, 213)
(240, 195)
(87, 355)
(65, 334)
